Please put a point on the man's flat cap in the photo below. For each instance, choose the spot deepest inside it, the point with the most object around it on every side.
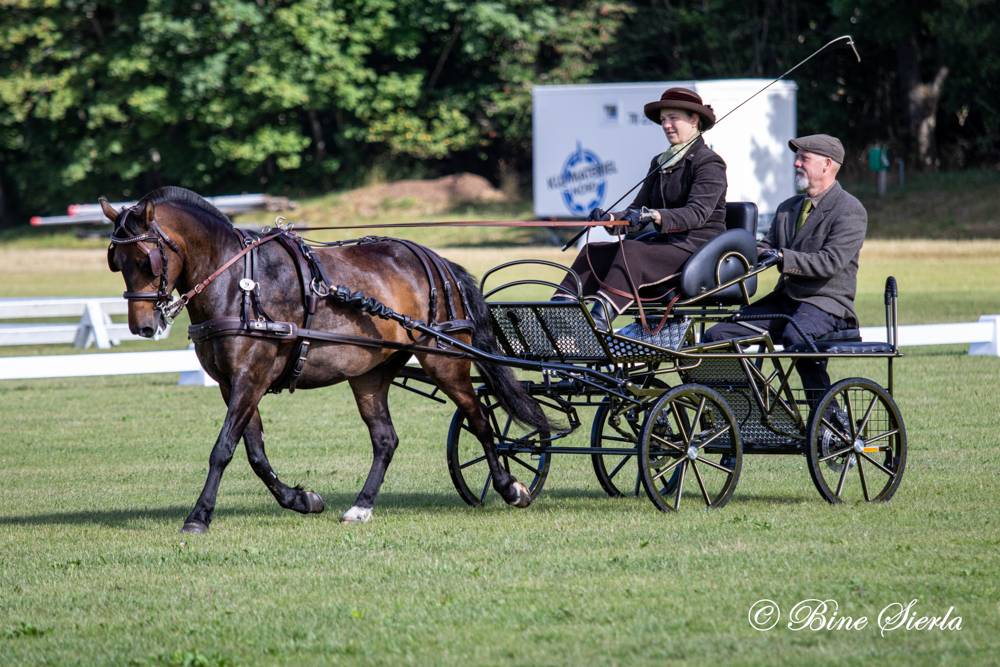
(820, 144)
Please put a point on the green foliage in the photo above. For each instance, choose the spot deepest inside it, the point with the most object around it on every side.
(111, 97)
(116, 98)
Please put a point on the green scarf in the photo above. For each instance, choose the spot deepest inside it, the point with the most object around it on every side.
(675, 154)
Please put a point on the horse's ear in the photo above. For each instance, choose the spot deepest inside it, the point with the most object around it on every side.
(109, 211)
(150, 212)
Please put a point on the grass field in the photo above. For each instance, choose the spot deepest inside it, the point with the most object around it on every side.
(101, 472)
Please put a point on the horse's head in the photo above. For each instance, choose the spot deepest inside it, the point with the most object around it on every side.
(150, 262)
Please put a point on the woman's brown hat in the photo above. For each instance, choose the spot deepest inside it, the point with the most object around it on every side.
(681, 98)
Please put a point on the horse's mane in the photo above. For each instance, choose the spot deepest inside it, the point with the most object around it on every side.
(185, 198)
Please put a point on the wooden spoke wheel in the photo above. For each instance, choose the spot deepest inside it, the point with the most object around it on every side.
(520, 451)
(856, 446)
(690, 436)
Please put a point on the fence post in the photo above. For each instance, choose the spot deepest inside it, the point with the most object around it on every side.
(198, 378)
(989, 348)
(94, 323)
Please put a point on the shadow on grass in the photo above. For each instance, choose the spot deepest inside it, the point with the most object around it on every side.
(409, 503)
(118, 518)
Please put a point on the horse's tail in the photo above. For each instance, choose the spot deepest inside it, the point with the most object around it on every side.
(500, 379)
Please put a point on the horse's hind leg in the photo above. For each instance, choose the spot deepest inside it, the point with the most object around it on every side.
(242, 400)
(452, 376)
(298, 499)
(371, 392)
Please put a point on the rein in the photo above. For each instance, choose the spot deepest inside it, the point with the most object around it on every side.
(170, 311)
(463, 223)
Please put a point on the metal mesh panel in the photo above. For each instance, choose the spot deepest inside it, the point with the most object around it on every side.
(671, 336)
(546, 331)
(561, 331)
(728, 378)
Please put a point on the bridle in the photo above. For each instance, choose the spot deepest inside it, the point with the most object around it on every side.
(158, 262)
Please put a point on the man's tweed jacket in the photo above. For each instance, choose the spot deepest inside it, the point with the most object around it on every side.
(821, 260)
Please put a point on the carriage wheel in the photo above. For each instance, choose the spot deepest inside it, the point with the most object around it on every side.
(467, 463)
(619, 425)
(691, 433)
(616, 426)
(857, 449)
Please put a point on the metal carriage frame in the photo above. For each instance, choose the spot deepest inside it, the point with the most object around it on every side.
(675, 417)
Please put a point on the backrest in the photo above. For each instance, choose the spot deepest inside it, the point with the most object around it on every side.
(742, 215)
(699, 271)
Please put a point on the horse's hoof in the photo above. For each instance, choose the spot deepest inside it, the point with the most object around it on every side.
(314, 503)
(194, 527)
(523, 495)
(357, 515)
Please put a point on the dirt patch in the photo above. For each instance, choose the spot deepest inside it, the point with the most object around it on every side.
(422, 197)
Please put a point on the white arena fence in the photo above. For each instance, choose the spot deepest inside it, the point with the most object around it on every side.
(90, 321)
(983, 338)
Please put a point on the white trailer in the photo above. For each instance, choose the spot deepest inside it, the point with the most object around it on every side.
(591, 143)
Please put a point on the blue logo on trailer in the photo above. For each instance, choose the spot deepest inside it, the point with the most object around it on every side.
(583, 180)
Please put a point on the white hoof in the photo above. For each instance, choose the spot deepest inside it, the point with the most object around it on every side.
(523, 495)
(357, 515)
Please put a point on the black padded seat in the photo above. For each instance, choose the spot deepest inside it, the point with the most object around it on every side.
(698, 274)
(844, 341)
(742, 215)
(836, 347)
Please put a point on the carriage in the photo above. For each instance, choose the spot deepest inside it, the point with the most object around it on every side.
(672, 415)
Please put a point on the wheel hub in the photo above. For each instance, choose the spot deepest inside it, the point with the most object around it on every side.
(692, 452)
(859, 445)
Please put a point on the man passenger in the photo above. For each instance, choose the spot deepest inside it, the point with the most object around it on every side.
(816, 237)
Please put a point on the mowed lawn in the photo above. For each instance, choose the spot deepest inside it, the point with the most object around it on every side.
(100, 473)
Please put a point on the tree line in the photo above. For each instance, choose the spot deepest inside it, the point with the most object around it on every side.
(116, 98)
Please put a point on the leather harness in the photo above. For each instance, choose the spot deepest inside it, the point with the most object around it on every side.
(315, 286)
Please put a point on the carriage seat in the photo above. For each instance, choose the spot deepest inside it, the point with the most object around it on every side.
(844, 341)
(698, 274)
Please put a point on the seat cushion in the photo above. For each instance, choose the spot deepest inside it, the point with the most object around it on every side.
(838, 347)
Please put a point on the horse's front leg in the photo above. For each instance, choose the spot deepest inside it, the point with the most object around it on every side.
(298, 499)
(242, 399)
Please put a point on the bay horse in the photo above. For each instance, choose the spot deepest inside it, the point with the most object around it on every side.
(174, 239)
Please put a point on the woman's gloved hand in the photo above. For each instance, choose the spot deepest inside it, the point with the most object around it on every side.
(638, 218)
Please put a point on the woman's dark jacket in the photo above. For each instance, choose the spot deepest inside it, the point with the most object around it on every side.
(690, 196)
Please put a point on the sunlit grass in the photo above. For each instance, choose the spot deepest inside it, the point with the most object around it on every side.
(100, 473)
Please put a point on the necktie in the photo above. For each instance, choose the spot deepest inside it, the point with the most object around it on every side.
(807, 208)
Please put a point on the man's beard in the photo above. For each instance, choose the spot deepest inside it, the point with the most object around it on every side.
(801, 181)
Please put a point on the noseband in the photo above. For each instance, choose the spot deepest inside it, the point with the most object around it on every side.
(157, 261)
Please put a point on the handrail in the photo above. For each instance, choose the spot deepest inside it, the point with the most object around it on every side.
(542, 262)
